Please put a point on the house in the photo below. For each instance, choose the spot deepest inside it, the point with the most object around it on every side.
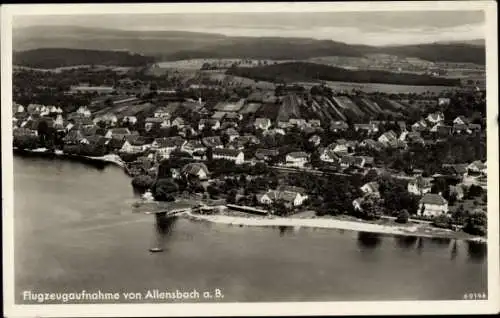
(419, 126)
(372, 144)
(458, 191)
(330, 156)
(115, 144)
(152, 122)
(165, 112)
(233, 117)
(274, 132)
(229, 154)
(24, 132)
(460, 129)
(135, 144)
(129, 120)
(432, 205)
(178, 122)
(59, 122)
(368, 128)
(266, 154)
(262, 123)
(336, 126)
(461, 120)
(443, 101)
(353, 161)
(214, 124)
(297, 159)
(18, 108)
(476, 168)
(117, 133)
(95, 140)
(84, 110)
(371, 188)
(297, 122)
(218, 115)
(474, 128)
(73, 137)
(419, 186)
(232, 134)
(291, 198)
(457, 170)
(195, 169)
(388, 138)
(111, 119)
(193, 146)
(435, 118)
(284, 124)
(315, 123)
(315, 140)
(165, 146)
(356, 204)
(212, 142)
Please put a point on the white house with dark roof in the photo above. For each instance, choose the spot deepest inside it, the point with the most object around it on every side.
(297, 159)
(328, 155)
(262, 123)
(195, 169)
(214, 124)
(370, 188)
(165, 146)
(435, 118)
(461, 120)
(419, 186)
(291, 198)
(432, 204)
(229, 154)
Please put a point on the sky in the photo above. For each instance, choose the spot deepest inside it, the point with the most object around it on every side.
(370, 28)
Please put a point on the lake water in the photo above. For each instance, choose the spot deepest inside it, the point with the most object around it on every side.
(74, 231)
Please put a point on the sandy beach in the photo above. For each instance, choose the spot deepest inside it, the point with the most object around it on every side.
(415, 230)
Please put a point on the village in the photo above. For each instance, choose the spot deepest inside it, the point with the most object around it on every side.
(287, 151)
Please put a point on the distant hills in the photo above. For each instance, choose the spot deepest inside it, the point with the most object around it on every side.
(177, 45)
(302, 71)
(53, 58)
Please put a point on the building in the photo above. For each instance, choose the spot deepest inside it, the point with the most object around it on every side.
(290, 198)
(388, 139)
(435, 118)
(330, 156)
(135, 144)
(372, 144)
(130, 120)
(214, 124)
(419, 186)
(178, 122)
(368, 128)
(420, 126)
(460, 129)
(262, 123)
(432, 205)
(461, 120)
(443, 101)
(371, 188)
(165, 146)
(297, 159)
(315, 140)
(117, 133)
(266, 154)
(336, 126)
(193, 146)
(234, 155)
(84, 111)
(353, 161)
(477, 168)
(151, 122)
(197, 170)
(231, 133)
(212, 142)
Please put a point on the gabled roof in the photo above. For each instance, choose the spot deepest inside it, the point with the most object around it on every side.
(261, 153)
(371, 186)
(119, 131)
(298, 155)
(213, 141)
(432, 198)
(194, 168)
(169, 142)
(226, 152)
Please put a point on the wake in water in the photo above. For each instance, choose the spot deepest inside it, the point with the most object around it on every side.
(163, 230)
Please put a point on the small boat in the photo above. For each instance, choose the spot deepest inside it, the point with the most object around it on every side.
(156, 249)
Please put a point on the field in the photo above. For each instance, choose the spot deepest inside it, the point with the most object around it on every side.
(290, 108)
(387, 88)
(127, 110)
(230, 106)
(269, 110)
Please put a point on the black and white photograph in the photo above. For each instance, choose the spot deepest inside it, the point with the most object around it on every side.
(250, 159)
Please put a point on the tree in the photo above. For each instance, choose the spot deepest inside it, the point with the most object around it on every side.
(164, 189)
(142, 181)
(476, 223)
(403, 216)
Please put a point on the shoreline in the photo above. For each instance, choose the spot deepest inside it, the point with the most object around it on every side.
(327, 224)
(43, 152)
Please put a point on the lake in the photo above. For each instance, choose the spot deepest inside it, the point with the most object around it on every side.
(74, 231)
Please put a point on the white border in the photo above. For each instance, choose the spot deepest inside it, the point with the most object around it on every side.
(253, 309)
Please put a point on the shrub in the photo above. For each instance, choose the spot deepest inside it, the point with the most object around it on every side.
(143, 181)
(403, 216)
